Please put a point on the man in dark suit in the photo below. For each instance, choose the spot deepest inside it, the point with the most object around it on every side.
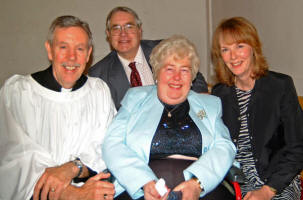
(124, 33)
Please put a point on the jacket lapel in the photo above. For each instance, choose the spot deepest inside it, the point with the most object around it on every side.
(147, 51)
(146, 124)
(118, 79)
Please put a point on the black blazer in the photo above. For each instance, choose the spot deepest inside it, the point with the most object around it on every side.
(276, 125)
(110, 70)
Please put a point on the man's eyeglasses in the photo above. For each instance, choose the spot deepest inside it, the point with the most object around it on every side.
(128, 28)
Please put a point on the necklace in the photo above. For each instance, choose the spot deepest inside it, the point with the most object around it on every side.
(169, 112)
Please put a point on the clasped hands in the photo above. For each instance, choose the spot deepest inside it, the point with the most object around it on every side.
(190, 191)
(55, 184)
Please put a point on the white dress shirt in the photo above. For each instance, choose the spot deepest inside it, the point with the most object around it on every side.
(142, 66)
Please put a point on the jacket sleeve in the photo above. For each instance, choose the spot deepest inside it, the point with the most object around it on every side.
(290, 158)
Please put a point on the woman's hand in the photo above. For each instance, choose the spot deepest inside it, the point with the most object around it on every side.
(150, 192)
(190, 190)
(264, 193)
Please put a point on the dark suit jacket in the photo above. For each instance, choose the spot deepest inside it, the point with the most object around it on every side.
(110, 70)
(275, 122)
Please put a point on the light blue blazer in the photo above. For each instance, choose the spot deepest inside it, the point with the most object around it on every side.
(127, 143)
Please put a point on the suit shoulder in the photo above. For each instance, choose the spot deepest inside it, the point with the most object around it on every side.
(103, 64)
(220, 89)
(278, 76)
(149, 43)
(136, 95)
(204, 99)
(139, 92)
(276, 81)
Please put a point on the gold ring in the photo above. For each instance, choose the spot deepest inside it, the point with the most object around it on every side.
(52, 189)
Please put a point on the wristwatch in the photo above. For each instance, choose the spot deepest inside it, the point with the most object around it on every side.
(78, 164)
(198, 182)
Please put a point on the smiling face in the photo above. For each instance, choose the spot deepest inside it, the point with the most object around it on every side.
(126, 44)
(174, 80)
(238, 57)
(69, 54)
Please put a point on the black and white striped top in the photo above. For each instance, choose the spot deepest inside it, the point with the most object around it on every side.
(246, 158)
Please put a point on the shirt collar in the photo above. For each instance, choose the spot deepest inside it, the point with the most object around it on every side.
(138, 58)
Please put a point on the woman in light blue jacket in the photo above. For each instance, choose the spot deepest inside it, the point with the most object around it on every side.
(168, 131)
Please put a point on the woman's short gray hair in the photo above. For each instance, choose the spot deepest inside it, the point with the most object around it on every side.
(176, 45)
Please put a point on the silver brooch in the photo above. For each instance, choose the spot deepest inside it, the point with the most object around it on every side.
(201, 114)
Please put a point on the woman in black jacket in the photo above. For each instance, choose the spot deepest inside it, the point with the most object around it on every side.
(262, 112)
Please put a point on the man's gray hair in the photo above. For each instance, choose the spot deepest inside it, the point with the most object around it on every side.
(69, 21)
(122, 9)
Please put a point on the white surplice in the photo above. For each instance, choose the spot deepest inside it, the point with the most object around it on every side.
(41, 128)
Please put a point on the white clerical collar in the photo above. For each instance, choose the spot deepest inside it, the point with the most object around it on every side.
(66, 90)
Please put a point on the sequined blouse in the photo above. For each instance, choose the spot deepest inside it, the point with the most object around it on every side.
(177, 134)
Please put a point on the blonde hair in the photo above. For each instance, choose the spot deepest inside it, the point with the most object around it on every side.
(176, 45)
(239, 30)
